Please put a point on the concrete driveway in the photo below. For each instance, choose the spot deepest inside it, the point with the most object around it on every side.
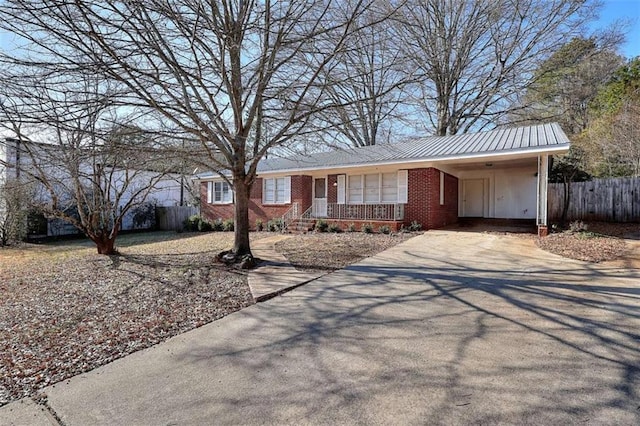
(446, 328)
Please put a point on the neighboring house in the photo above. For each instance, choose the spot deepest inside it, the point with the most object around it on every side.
(431, 180)
(172, 189)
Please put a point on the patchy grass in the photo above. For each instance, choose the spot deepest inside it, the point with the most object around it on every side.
(328, 252)
(65, 310)
(599, 242)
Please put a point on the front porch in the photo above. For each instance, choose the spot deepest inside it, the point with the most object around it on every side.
(345, 215)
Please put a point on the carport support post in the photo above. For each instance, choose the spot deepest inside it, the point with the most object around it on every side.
(543, 181)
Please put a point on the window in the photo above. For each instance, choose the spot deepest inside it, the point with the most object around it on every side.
(372, 189)
(389, 188)
(276, 190)
(219, 192)
(376, 188)
(355, 189)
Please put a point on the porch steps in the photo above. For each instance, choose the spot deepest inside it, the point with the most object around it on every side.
(301, 226)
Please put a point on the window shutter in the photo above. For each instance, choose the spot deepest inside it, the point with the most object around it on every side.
(403, 193)
(441, 188)
(209, 192)
(342, 185)
(287, 189)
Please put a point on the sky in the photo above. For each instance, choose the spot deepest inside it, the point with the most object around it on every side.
(614, 10)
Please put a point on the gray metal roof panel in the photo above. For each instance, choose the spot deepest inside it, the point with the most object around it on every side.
(499, 141)
(432, 148)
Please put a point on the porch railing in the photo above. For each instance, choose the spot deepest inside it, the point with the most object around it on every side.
(290, 215)
(365, 211)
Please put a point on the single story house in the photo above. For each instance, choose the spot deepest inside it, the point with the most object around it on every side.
(433, 181)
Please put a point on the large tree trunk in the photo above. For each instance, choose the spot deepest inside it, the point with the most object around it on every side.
(104, 244)
(241, 245)
(105, 240)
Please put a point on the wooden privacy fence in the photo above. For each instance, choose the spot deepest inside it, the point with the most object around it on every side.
(607, 200)
(171, 218)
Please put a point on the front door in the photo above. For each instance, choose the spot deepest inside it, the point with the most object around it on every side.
(320, 197)
(473, 197)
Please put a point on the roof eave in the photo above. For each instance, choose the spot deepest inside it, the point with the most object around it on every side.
(556, 149)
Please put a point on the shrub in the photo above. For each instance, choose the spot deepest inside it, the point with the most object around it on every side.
(205, 226)
(415, 226)
(351, 227)
(275, 225)
(321, 225)
(228, 225)
(144, 215)
(259, 225)
(334, 227)
(367, 228)
(384, 229)
(192, 223)
(578, 226)
(217, 225)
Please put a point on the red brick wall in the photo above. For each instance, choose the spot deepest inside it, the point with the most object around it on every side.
(344, 224)
(424, 199)
(300, 193)
(446, 214)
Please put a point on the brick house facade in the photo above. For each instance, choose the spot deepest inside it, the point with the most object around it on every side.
(434, 181)
(423, 206)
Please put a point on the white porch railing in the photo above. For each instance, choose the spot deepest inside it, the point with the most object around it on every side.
(365, 211)
(290, 215)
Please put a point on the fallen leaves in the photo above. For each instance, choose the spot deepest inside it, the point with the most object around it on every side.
(64, 315)
(328, 252)
(600, 242)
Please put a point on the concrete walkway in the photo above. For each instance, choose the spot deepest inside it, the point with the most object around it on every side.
(445, 328)
(275, 275)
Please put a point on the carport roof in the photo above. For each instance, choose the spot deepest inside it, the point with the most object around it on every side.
(506, 141)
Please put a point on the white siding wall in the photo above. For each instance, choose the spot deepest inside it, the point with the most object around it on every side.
(508, 193)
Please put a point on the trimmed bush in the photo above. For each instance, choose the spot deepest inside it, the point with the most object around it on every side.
(384, 229)
(259, 225)
(578, 226)
(335, 228)
(275, 225)
(367, 228)
(351, 227)
(228, 225)
(321, 225)
(192, 223)
(217, 225)
(205, 226)
(415, 226)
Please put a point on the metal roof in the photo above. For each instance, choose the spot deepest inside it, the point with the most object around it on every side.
(507, 141)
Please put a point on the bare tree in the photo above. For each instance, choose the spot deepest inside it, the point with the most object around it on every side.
(82, 171)
(367, 83)
(14, 197)
(237, 76)
(474, 57)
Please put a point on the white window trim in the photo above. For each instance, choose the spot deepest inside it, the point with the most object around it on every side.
(344, 188)
(211, 192)
(287, 191)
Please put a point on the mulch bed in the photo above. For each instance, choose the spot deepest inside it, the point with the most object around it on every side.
(67, 311)
(328, 252)
(599, 242)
